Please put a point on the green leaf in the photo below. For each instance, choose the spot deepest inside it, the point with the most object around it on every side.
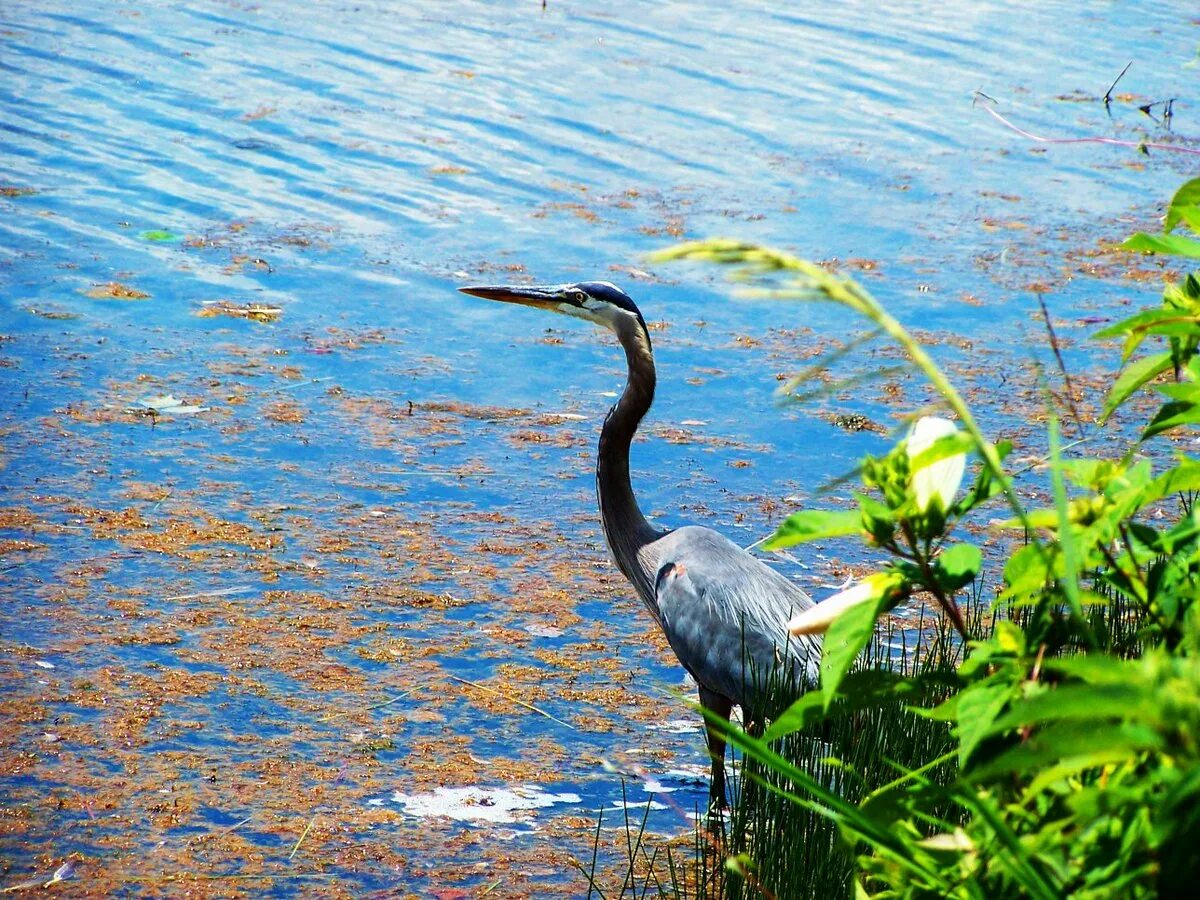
(958, 566)
(1190, 215)
(1095, 668)
(1063, 741)
(1098, 703)
(985, 487)
(815, 796)
(978, 707)
(1073, 765)
(1028, 870)
(808, 709)
(1180, 390)
(1179, 324)
(1182, 296)
(1092, 474)
(162, 237)
(1181, 536)
(1175, 317)
(740, 865)
(1172, 415)
(946, 711)
(814, 524)
(1185, 206)
(1137, 322)
(1027, 573)
(875, 519)
(1170, 244)
(1135, 375)
(1072, 557)
(1009, 638)
(849, 633)
(943, 448)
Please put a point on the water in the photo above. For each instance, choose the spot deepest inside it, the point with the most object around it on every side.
(228, 598)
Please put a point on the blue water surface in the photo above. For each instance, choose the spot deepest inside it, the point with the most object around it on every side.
(350, 165)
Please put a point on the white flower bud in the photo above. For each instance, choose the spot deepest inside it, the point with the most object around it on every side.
(871, 589)
(939, 480)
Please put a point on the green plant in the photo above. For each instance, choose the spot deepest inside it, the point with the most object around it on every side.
(771, 845)
(1072, 766)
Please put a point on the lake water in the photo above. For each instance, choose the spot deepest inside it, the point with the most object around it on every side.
(262, 645)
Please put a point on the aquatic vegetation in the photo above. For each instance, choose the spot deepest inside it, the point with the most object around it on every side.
(1057, 753)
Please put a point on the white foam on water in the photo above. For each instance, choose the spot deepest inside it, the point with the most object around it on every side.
(499, 805)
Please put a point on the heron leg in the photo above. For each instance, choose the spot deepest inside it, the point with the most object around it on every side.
(722, 706)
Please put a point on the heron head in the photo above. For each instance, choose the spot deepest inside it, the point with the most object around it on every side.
(596, 301)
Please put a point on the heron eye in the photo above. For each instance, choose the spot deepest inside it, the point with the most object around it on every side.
(578, 296)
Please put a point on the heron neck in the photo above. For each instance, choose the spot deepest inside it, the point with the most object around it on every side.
(625, 528)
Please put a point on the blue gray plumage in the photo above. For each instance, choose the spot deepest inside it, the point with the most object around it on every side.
(725, 615)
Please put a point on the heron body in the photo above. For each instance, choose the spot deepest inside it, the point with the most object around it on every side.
(723, 611)
(708, 603)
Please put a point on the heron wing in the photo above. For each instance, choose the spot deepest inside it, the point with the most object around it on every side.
(732, 610)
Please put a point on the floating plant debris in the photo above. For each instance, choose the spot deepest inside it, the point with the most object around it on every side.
(159, 236)
(114, 290)
(52, 314)
(255, 312)
(856, 422)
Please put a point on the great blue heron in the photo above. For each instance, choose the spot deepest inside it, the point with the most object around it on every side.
(723, 611)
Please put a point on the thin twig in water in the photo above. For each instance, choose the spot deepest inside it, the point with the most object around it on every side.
(1168, 106)
(1042, 460)
(589, 874)
(307, 829)
(530, 706)
(782, 554)
(1062, 366)
(1117, 142)
(1108, 93)
(761, 540)
(299, 384)
(435, 473)
(235, 826)
(338, 715)
(224, 592)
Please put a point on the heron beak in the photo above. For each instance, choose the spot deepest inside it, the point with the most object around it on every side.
(537, 297)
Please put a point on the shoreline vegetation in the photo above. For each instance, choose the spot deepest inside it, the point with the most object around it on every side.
(1042, 744)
